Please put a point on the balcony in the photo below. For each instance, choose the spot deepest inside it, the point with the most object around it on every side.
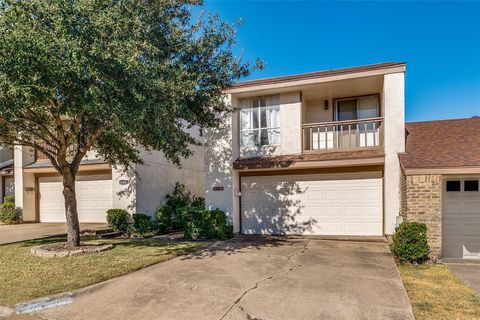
(342, 135)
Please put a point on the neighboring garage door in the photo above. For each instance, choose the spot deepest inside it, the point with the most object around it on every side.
(94, 198)
(316, 204)
(461, 218)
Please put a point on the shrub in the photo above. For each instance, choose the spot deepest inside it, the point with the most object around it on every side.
(8, 212)
(202, 224)
(143, 225)
(165, 216)
(117, 219)
(9, 199)
(198, 202)
(409, 243)
(180, 197)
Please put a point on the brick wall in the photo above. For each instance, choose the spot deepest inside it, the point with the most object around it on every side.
(422, 196)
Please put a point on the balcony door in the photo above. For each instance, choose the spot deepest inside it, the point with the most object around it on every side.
(357, 134)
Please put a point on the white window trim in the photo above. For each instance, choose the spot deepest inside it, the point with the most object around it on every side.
(260, 128)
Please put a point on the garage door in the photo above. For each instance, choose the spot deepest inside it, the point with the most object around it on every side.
(94, 198)
(461, 219)
(317, 204)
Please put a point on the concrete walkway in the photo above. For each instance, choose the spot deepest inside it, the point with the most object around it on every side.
(254, 279)
(29, 231)
(468, 271)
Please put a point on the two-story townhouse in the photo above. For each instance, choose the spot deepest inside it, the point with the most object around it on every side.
(313, 154)
(99, 186)
(328, 153)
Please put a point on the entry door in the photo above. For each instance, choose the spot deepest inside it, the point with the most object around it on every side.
(317, 204)
(94, 198)
(461, 218)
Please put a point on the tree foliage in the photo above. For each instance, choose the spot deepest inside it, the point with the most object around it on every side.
(111, 75)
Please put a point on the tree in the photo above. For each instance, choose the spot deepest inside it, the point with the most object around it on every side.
(110, 75)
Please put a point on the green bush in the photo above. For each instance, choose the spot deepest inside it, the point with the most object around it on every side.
(143, 225)
(8, 212)
(198, 202)
(409, 243)
(202, 224)
(165, 216)
(9, 199)
(117, 219)
(180, 197)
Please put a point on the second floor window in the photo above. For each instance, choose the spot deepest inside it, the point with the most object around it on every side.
(260, 122)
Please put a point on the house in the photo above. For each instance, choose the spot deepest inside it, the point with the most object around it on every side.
(440, 183)
(99, 186)
(319, 154)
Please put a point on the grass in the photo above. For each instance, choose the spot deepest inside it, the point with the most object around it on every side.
(24, 276)
(436, 293)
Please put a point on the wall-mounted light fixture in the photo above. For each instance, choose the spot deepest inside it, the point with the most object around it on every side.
(325, 104)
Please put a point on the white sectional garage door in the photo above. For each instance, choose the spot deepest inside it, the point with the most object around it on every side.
(461, 219)
(94, 198)
(316, 204)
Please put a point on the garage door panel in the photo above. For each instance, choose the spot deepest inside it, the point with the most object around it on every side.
(94, 197)
(332, 204)
(471, 207)
(461, 222)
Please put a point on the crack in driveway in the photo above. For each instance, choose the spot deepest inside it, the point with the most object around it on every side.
(292, 268)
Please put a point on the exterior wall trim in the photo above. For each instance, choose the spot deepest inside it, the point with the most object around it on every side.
(307, 79)
(442, 171)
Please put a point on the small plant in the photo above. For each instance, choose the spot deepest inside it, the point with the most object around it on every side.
(202, 224)
(180, 197)
(143, 225)
(409, 243)
(10, 214)
(117, 219)
(165, 216)
(198, 202)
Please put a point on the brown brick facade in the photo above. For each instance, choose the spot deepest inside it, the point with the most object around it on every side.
(422, 202)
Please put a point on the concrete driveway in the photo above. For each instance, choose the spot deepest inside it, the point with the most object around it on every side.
(254, 279)
(468, 271)
(28, 231)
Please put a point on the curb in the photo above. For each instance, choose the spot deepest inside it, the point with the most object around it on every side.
(44, 303)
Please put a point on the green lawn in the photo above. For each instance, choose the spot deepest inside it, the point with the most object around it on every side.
(436, 293)
(24, 276)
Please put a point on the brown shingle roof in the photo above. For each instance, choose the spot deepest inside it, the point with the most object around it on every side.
(443, 143)
(286, 161)
(318, 74)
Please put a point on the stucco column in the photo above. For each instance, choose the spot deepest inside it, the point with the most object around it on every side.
(24, 182)
(394, 143)
(221, 181)
(124, 189)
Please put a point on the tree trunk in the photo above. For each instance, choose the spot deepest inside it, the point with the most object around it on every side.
(73, 235)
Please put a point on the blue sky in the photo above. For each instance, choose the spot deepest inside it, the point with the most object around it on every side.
(439, 41)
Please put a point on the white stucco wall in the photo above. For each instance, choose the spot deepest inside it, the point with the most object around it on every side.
(157, 177)
(123, 195)
(394, 143)
(221, 148)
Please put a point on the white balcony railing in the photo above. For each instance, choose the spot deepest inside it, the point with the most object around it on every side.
(342, 135)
